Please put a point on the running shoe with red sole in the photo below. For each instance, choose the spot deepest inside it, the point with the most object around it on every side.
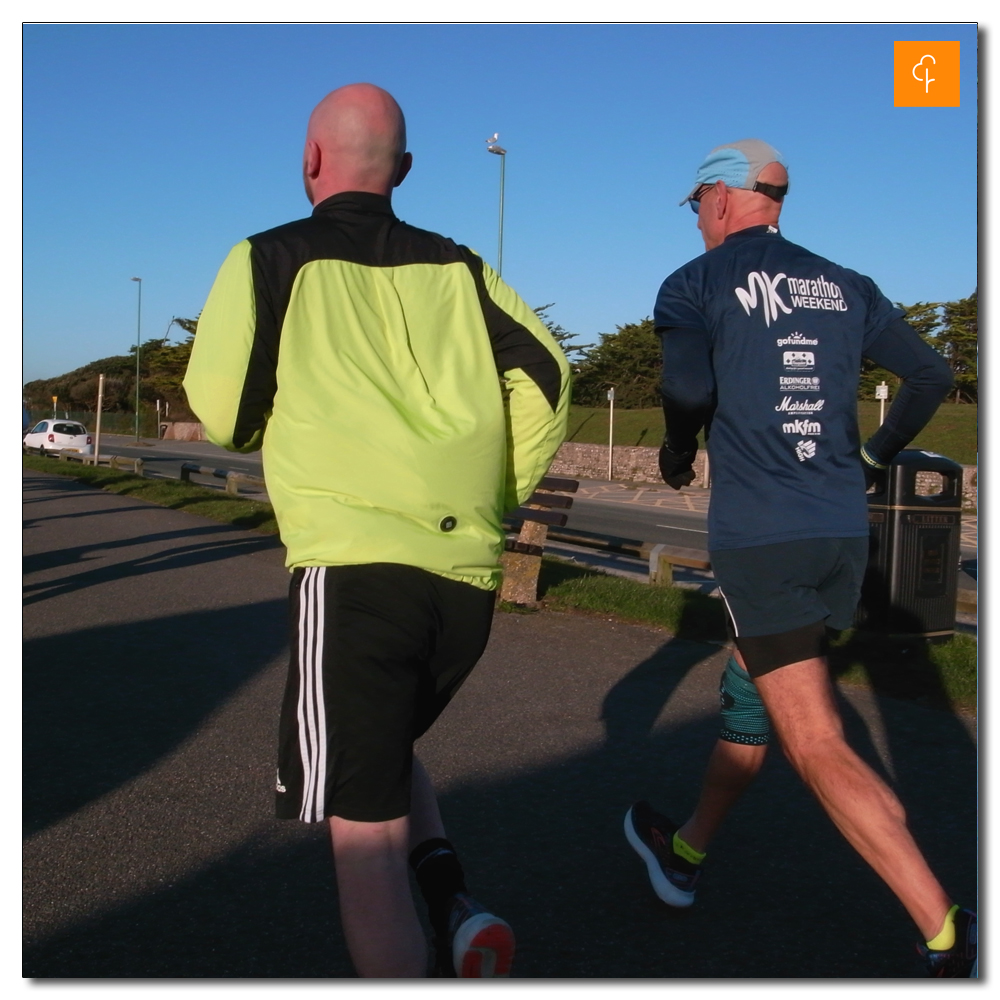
(482, 945)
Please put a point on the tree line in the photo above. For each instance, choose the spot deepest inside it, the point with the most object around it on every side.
(628, 359)
(161, 371)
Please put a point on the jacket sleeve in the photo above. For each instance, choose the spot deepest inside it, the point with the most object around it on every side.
(216, 377)
(536, 382)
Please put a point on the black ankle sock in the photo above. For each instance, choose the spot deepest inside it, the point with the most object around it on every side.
(439, 876)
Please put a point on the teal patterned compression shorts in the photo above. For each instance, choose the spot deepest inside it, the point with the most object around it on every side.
(744, 719)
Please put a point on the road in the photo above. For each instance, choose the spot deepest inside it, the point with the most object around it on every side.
(646, 512)
(678, 526)
(155, 649)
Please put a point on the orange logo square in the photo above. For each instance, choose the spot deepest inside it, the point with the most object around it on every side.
(925, 74)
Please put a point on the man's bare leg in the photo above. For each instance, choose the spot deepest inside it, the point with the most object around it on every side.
(800, 702)
(731, 768)
(380, 922)
(425, 817)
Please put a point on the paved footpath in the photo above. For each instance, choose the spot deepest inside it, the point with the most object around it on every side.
(154, 663)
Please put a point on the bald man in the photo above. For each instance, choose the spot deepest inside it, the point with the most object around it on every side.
(404, 398)
(762, 347)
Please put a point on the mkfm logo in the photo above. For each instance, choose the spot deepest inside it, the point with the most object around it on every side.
(769, 298)
(802, 427)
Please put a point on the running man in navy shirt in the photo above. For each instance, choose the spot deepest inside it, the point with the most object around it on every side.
(762, 347)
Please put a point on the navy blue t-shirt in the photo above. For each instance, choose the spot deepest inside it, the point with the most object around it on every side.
(785, 330)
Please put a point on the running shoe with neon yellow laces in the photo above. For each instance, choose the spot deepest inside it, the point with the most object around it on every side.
(478, 945)
(960, 961)
(651, 836)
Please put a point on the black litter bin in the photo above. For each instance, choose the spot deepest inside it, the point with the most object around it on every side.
(911, 584)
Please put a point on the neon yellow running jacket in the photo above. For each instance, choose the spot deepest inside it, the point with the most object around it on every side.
(404, 396)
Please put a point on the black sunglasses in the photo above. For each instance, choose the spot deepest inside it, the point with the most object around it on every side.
(776, 192)
(695, 200)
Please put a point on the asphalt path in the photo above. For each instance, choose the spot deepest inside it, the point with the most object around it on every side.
(155, 653)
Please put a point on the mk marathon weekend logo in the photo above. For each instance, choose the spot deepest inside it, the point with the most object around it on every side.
(803, 293)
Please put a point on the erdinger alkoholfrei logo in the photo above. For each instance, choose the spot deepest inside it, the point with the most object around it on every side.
(798, 383)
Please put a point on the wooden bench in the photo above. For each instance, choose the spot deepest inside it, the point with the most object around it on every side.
(522, 558)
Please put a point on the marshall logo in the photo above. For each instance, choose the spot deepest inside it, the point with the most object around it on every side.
(799, 360)
(796, 340)
(789, 405)
(802, 427)
(769, 298)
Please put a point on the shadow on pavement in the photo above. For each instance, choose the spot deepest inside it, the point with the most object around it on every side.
(104, 704)
(783, 894)
(176, 557)
(260, 912)
(783, 897)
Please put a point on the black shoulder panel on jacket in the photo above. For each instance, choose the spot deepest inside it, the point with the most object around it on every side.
(514, 345)
(346, 232)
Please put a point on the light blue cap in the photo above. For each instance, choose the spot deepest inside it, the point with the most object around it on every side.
(736, 165)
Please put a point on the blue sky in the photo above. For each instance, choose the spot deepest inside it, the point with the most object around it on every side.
(150, 150)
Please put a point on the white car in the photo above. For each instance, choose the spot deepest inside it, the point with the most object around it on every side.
(59, 435)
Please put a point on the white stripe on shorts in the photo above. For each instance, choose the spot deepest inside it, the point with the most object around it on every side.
(311, 706)
(732, 617)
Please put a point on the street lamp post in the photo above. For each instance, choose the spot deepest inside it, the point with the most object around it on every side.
(138, 343)
(492, 146)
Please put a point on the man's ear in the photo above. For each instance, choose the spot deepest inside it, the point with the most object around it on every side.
(722, 199)
(404, 169)
(312, 159)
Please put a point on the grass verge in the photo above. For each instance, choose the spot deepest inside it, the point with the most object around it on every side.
(240, 512)
(942, 676)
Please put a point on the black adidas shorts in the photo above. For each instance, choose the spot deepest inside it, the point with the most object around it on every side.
(781, 598)
(377, 652)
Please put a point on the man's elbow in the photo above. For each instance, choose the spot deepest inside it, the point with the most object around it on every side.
(688, 397)
(938, 378)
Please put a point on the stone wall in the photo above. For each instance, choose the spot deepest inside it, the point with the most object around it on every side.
(970, 486)
(182, 431)
(639, 465)
(631, 464)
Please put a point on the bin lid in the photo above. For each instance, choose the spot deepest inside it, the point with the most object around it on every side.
(926, 461)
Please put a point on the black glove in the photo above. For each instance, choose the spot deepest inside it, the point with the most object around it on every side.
(676, 467)
(873, 474)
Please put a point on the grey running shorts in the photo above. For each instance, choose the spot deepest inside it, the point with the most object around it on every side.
(377, 652)
(781, 598)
